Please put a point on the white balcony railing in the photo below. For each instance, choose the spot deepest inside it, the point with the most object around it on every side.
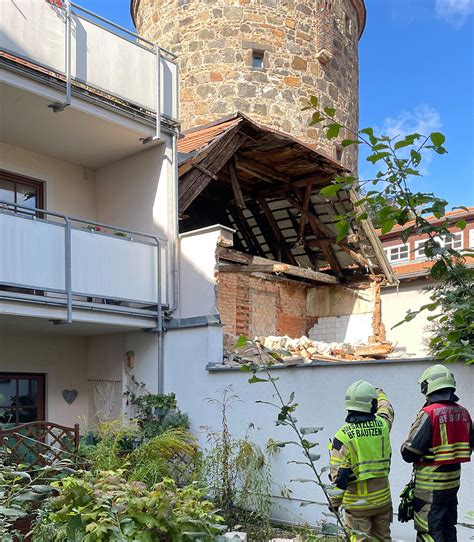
(72, 41)
(74, 259)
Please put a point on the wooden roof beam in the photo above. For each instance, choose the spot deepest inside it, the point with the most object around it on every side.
(276, 231)
(236, 188)
(231, 255)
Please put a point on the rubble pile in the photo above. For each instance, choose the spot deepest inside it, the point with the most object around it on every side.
(300, 351)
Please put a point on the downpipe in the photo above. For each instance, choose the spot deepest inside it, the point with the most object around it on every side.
(174, 266)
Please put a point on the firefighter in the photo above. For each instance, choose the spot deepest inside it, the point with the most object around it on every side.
(360, 462)
(440, 439)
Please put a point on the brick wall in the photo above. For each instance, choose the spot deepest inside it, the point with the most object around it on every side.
(254, 306)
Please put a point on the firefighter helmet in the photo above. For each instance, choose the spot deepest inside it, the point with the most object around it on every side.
(436, 377)
(360, 396)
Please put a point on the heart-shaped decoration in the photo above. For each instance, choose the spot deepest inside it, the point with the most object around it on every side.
(69, 396)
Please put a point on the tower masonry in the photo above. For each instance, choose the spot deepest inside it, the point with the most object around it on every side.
(264, 58)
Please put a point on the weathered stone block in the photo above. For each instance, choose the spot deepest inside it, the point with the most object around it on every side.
(292, 81)
(299, 64)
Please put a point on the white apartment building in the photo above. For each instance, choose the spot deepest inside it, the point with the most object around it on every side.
(87, 208)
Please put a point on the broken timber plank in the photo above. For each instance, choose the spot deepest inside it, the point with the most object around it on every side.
(300, 272)
(236, 188)
(374, 350)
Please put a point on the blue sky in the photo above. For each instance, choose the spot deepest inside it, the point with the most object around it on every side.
(416, 74)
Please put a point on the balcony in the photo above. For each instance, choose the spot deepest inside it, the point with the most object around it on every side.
(91, 57)
(67, 270)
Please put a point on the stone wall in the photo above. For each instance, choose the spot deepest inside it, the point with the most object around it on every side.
(309, 48)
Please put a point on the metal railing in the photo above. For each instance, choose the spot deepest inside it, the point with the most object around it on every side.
(36, 214)
(67, 39)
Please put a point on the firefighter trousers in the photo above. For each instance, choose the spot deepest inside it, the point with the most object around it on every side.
(436, 522)
(374, 524)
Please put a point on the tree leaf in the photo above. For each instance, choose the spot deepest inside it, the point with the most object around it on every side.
(330, 111)
(313, 101)
(342, 230)
(388, 226)
(330, 190)
(438, 270)
(461, 224)
(333, 130)
(346, 142)
(437, 138)
(241, 341)
(254, 380)
(310, 430)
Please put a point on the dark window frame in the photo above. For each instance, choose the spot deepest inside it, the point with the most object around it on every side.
(41, 402)
(258, 56)
(16, 178)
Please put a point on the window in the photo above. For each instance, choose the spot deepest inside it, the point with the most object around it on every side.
(420, 249)
(22, 190)
(454, 241)
(257, 59)
(398, 253)
(21, 398)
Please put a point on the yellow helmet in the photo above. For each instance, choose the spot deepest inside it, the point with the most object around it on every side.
(360, 396)
(436, 377)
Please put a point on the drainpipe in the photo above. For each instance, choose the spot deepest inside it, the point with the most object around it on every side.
(58, 107)
(159, 319)
(175, 233)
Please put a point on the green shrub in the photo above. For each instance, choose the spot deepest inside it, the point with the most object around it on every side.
(172, 454)
(109, 508)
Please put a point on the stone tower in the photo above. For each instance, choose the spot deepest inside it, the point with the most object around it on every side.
(264, 58)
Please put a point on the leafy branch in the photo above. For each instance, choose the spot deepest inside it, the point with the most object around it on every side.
(391, 202)
(285, 417)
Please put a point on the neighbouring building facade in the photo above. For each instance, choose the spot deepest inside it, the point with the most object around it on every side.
(411, 269)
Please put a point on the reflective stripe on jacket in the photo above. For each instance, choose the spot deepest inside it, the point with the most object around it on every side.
(451, 428)
(369, 447)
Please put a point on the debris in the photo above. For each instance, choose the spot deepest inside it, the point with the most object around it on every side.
(288, 351)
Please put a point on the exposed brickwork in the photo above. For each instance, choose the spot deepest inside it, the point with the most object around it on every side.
(309, 48)
(252, 306)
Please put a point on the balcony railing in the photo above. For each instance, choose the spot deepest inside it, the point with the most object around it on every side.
(83, 47)
(63, 256)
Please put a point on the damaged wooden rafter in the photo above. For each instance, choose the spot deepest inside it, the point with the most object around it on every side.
(322, 229)
(196, 180)
(245, 230)
(258, 264)
(286, 250)
(236, 188)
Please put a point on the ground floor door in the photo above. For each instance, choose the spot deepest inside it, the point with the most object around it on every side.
(21, 398)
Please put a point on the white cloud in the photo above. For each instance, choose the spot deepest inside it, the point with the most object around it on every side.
(455, 12)
(423, 120)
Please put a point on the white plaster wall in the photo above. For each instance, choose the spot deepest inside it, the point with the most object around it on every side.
(134, 192)
(198, 260)
(320, 394)
(353, 328)
(69, 188)
(106, 361)
(408, 338)
(62, 359)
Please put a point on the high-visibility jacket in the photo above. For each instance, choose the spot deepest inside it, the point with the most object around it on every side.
(451, 429)
(366, 454)
(440, 439)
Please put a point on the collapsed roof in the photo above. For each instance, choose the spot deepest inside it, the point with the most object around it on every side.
(265, 185)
